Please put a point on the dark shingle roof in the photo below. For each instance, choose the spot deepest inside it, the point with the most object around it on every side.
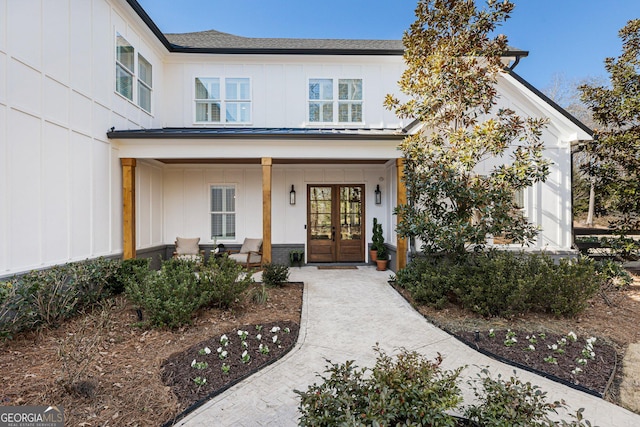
(217, 41)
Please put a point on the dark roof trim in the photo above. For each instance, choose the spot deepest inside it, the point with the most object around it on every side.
(551, 102)
(274, 51)
(255, 133)
(149, 22)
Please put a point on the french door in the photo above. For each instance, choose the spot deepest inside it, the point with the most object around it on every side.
(335, 227)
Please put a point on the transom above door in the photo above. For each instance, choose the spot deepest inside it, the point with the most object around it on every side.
(335, 227)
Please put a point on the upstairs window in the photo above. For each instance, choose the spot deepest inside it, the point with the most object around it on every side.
(145, 83)
(321, 100)
(214, 95)
(125, 67)
(223, 212)
(350, 100)
(325, 98)
(208, 100)
(126, 61)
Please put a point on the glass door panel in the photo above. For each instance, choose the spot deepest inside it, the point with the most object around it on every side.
(334, 223)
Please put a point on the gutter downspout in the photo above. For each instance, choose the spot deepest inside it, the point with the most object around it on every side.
(515, 63)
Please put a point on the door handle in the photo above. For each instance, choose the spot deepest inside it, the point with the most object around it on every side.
(333, 234)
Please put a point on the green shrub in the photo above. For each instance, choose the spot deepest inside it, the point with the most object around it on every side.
(498, 283)
(572, 284)
(275, 274)
(430, 280)
(92, 278)
(48, 297)
(407, 390)
(126, 269)
(223, 281)
(168, 297)
(411, 390)
(508, 403)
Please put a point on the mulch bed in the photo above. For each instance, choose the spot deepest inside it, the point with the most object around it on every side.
(179, 374)
(595, 377)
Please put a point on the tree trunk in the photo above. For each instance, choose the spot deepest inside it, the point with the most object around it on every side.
(592, 202)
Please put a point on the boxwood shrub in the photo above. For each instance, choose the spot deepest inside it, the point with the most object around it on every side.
(499, 283)
(171, 296)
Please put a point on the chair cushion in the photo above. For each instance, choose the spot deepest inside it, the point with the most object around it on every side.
(239, 258)
(187, 246)
(251, 245)
(242, 258)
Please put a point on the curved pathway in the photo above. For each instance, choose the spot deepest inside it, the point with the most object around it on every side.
(344, 314)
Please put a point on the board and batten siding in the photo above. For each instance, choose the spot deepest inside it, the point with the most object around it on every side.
(186, 198)
(279, 86)
(60, 177)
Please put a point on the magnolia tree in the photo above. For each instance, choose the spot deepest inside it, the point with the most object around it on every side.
(452, 67)
(616, 148)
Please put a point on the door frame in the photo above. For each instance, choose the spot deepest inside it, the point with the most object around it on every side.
(335, 221)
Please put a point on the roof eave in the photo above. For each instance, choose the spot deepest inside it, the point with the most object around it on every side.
(188, 133)
(285, 51)
(551, 102)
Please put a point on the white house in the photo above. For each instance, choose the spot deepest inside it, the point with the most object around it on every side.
(116, 138)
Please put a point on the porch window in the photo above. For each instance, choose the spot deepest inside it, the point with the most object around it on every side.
(223, 212)
(325, 98)
(213, 95)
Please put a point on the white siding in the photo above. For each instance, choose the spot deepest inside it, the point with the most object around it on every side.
(60, 177)
(279, 86)
(186, 198)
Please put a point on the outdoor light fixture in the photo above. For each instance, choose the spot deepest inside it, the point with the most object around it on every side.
(378, 195)
(292, 196)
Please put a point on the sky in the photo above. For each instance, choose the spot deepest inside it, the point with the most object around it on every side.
(567, 38)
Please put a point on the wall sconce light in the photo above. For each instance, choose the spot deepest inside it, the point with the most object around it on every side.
(292, 196)
(378, 195)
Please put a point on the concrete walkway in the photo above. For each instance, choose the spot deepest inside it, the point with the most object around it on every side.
(344, 314)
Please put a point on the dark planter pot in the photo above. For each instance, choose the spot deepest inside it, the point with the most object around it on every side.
(296, 258)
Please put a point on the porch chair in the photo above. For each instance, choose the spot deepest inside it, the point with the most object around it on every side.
(188, 249)
(249, 255)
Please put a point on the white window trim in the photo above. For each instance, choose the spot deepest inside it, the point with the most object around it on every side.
(133, 73)
(223, 100)
(336, 102)
(235, 212)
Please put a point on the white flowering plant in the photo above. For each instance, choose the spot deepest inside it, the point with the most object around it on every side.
(555, 351)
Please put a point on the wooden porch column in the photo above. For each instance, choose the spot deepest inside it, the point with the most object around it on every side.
(267, 162)
(401, 244)
(128, 207)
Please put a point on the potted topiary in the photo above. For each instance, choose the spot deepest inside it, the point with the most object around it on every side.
(296, 256)
(377, 240)
(382, 258)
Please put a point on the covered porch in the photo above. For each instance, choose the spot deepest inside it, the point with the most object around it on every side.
(167, 182)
